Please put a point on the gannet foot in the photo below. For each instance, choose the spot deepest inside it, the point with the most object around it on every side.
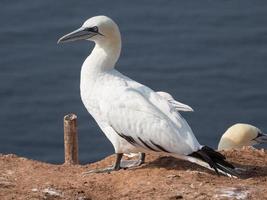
(104, 170)
(142, 158)
(133, 163)
(240, 170)
(115, 167)
(119, 164)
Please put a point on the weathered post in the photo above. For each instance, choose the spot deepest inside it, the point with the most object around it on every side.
(71, 139)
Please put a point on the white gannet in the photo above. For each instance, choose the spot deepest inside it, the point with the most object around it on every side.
(133, 117)
(240, 135)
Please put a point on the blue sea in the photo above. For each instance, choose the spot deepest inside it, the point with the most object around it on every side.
(211, 55)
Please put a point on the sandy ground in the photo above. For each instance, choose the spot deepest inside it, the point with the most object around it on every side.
(161, 177)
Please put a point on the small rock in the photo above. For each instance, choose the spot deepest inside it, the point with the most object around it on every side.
(262, 152)
(34, 190)
(84, 198)
(176, 197)
(233, 193)
(52, 192)
(6, 184)
(173, 176)
(9, 172)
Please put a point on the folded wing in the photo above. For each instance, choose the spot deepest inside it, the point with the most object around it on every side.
(147, 120)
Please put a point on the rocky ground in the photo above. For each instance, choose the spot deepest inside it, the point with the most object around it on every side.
(160, 177)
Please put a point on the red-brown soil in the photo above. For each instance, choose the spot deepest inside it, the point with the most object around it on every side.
(160, 177)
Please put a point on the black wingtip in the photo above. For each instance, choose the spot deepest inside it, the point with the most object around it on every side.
(215, 160)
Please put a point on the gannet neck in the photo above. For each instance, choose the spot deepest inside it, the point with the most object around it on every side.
(104, 55)
(228, 143)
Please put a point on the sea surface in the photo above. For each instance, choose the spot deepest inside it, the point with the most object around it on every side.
(211, 55)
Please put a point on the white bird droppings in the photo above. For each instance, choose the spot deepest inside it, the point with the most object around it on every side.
(52, 192)
(238, 193)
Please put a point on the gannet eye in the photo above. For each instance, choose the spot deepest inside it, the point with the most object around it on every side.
(259, 134)
(92, 29)
(95, 29)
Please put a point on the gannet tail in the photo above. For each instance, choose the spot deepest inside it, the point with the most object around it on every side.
(211, 159)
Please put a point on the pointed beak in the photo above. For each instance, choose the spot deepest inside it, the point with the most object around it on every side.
(261, 138)
(79, 34)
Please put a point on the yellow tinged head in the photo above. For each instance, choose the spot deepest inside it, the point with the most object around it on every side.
(238, 135)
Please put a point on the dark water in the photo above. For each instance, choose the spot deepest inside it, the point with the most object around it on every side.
(211, 55)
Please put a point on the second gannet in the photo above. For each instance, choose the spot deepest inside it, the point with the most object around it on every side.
(240, 135)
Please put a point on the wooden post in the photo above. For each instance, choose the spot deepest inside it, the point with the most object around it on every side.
(71, 139)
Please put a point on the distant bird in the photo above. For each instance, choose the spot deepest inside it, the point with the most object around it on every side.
(240, 135)
(133, 116)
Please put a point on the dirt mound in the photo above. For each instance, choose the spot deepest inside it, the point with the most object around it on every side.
(160, 177)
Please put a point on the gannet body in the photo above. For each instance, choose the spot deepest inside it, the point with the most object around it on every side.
(240, 135)
(133, 117)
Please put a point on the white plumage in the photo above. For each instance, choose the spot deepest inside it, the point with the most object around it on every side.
(133, 117)
(120, 104)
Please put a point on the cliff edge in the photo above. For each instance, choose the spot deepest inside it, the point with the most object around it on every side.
(161, 177)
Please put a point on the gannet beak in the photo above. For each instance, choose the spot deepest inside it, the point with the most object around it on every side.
(261, 138)
(79, 34)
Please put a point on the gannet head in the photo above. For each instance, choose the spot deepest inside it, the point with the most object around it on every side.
(240, 135)
(99, 29)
